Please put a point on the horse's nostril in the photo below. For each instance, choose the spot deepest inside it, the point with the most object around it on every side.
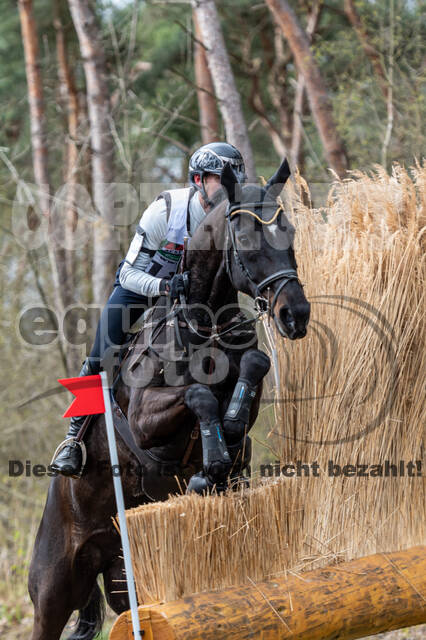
(285, 315)
(300, 313)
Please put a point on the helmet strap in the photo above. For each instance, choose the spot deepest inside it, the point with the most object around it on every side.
(201, 188)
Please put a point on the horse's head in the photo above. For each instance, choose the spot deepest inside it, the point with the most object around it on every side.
(259, 254)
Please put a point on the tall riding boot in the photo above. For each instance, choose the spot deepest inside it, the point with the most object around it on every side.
(68, 457)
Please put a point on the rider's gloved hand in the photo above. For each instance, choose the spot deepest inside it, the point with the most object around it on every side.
(164, 287)
(176, 286)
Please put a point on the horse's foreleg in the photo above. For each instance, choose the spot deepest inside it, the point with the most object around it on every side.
(254, 366)
(216, 459)
(49, 574)
(116, 586)
(49, 628)
(242, 411)
(58, 592)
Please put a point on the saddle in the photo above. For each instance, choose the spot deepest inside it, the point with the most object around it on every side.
(160, 476)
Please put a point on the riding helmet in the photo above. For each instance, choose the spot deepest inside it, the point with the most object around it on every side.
(211, 158)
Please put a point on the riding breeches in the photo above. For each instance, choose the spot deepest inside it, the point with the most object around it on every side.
(121, 311)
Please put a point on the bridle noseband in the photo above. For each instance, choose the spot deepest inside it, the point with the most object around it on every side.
(285, 275)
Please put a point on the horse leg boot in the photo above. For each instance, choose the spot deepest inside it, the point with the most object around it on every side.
(68, 457)
(216, 459)
(254, 366)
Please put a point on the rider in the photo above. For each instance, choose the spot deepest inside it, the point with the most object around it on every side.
(149, 268)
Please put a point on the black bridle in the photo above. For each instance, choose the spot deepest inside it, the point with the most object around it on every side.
(285, 275)
(262, 304)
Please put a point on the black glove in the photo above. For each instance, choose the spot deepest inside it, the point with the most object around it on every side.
(164, 287)
(177, 286)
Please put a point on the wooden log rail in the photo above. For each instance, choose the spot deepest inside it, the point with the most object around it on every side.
(349, 600)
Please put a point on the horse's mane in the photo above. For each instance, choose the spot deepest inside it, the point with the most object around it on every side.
(213, 224)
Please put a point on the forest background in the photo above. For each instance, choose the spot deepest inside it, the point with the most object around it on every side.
(95, 93)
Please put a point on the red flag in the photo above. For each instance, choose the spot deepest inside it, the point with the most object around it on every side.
(88, 393)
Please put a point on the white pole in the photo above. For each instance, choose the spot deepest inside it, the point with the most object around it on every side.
(120, 507)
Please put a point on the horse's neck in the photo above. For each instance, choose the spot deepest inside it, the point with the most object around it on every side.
(209, 282)
(211, 292)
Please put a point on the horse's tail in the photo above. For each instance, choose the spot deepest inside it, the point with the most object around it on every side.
(91, 618)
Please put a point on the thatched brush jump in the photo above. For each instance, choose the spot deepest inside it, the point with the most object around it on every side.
(192, 543)
(350, 397)
(349, 600)
(352, 391)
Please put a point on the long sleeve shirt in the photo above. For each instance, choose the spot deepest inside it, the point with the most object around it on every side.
(155, 226)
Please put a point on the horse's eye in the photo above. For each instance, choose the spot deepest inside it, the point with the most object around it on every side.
(244, 241)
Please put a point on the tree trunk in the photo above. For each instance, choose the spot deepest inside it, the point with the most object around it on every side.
(256, 103)
(36, 104)
(224, 82)
(67, 204)
(296, 139)
(277, 133)
(61, 284)
(371, 53)
(209, 120)
(69, 96)
(277, 86)
(102, 146)
(316, 90)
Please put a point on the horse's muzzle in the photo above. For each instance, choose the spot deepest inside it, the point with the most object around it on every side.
(292, 322)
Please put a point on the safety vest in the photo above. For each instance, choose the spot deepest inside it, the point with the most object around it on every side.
(165, 261)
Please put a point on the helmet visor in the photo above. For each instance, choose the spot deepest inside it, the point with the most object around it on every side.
(238, 168)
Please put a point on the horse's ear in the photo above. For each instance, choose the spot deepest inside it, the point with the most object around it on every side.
(229, 180)
(275, 185)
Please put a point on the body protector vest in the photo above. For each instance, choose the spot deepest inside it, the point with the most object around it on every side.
(165, 260)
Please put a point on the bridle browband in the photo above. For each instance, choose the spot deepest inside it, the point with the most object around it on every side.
(285, 275)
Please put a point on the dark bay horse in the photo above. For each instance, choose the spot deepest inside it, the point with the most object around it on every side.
(247, 246)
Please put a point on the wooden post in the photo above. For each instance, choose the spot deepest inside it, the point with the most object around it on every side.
(349, 600)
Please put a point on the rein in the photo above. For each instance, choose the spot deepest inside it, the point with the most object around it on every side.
(215, 333)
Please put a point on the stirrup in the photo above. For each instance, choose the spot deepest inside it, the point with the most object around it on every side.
(69, 442)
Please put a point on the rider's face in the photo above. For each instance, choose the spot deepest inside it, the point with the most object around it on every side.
(211, 184)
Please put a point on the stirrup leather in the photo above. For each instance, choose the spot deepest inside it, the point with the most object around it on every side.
(72, 442)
